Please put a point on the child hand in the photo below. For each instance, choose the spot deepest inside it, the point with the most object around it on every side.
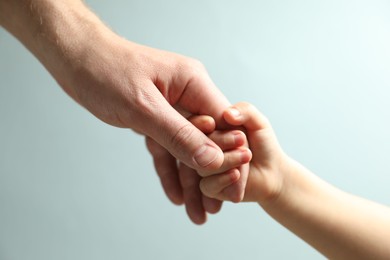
(236, 155)
(265, 179)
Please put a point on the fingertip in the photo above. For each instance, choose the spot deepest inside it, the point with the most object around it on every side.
(237, 197)
(198, 219)
(212, 186)
(175, 199)
(234, 192)
(246, 155)
(211, 205)
(234, 175)
(173, 192)
(232, 116)
(209, 124)
(239, 138)
(234, 112)
(215, 209)
(204, 123)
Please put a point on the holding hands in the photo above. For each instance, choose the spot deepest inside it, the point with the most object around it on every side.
(268, 161)
(199, 162)
(128, 85)
(338, 224)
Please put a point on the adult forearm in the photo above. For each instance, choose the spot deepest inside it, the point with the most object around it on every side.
(339, 225)
(126, 85)
(58, 32)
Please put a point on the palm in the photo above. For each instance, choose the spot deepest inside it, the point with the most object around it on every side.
(264, 181)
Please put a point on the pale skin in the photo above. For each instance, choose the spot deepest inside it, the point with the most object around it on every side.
(131, 86)
(337, 224)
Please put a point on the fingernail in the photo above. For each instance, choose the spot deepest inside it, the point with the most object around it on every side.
(238, 138)
(234, 112)
(205, 155)
(246, 155)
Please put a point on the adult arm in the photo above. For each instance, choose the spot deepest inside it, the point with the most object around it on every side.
(125, 84)
(120, 82)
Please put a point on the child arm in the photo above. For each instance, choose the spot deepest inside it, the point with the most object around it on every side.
(337, 224)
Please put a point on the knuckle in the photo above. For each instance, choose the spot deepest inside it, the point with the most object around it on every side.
(193, 67)
(183, 136)
(236, 197)
(144, 101)
(197, 64)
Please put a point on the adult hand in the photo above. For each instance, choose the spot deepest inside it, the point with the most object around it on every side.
(181, 183)
(128, 85)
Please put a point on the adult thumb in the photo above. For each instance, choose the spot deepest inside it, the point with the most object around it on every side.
(198, 151)
(183, 140)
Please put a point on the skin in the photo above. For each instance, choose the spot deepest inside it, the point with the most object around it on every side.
(337, 224)
(131, 86)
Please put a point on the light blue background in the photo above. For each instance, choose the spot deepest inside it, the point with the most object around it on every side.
(72, 187)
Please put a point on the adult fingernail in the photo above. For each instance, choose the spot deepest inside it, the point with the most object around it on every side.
(205, 155)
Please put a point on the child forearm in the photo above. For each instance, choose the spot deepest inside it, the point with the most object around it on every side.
(337, 224)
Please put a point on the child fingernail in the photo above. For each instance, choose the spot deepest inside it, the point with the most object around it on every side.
(246, 155)
(238, 138)
(234, 112)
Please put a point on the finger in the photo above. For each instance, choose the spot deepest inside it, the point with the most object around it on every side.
(236, 191)
(166, 167)
(204, 123)
(192, 195)
(183, 140)
(232, 159)
(211, 205)
(213, 185)
(228, 140)
(201, 96)
(224, 139)
(247, 115)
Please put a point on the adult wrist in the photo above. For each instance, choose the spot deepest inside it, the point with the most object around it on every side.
(57, 32)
